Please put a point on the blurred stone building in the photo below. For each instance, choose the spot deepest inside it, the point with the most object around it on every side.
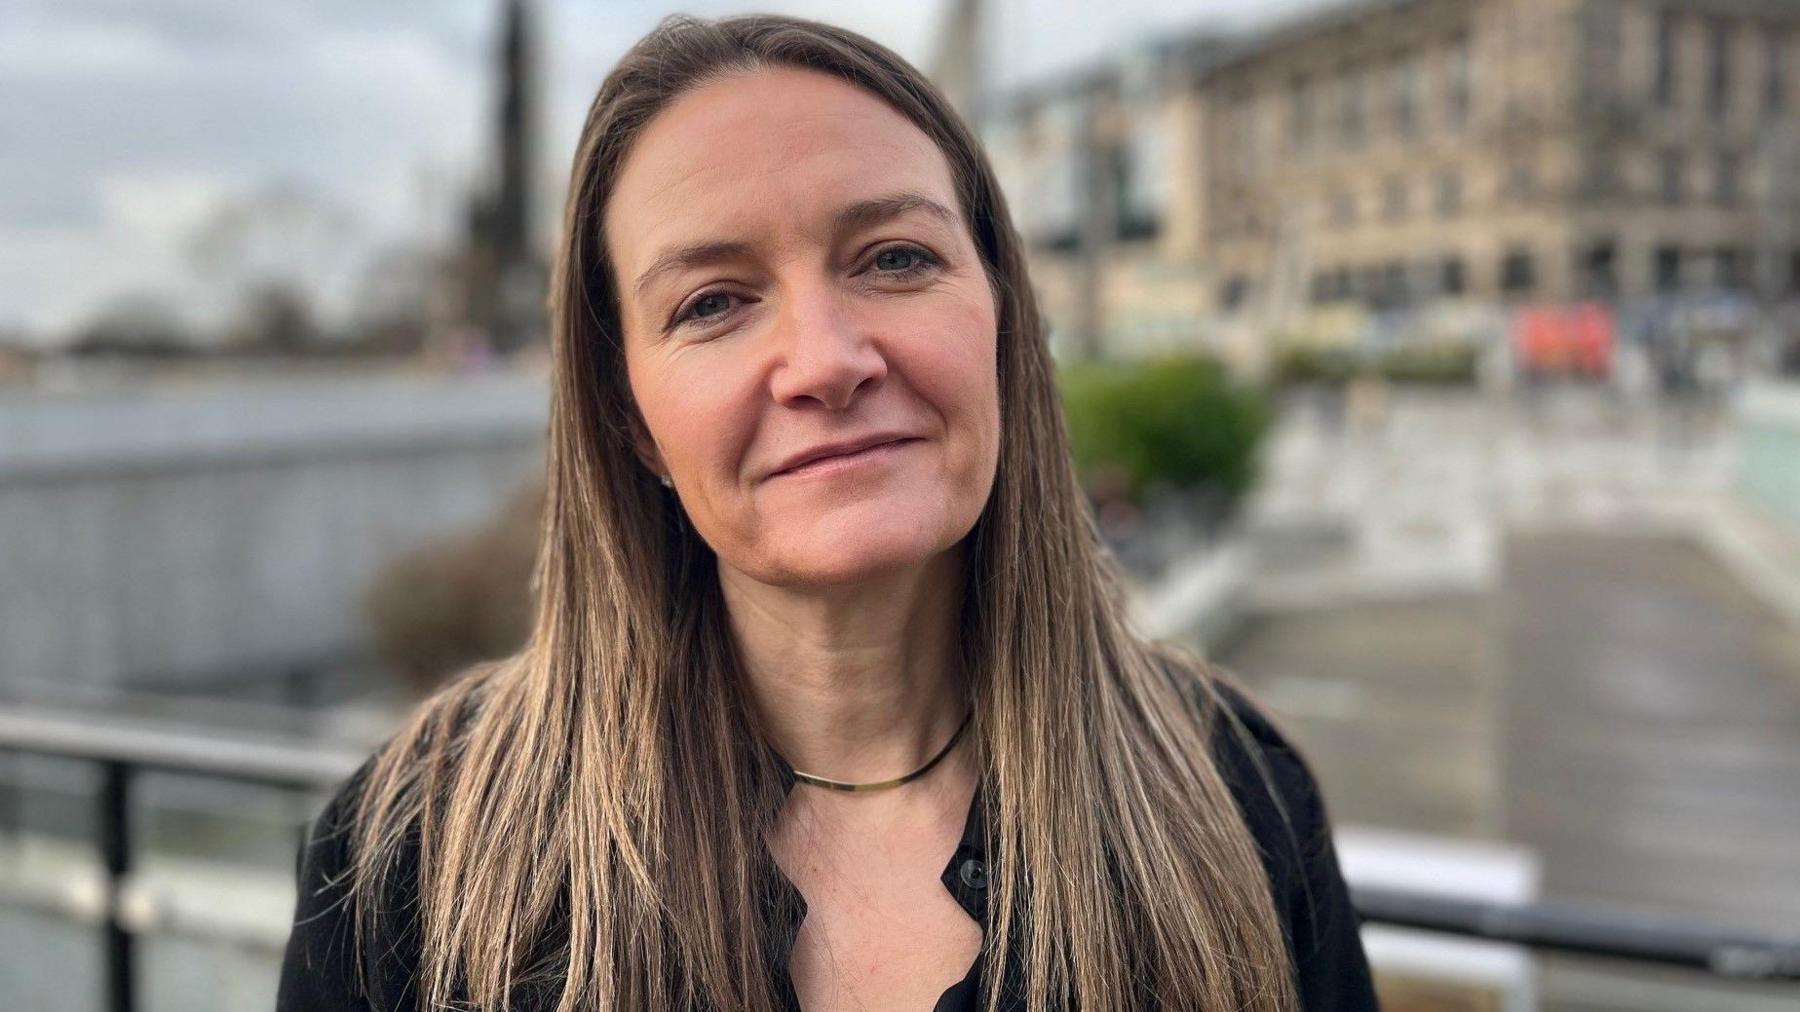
(1088, 162)
(1390, 153)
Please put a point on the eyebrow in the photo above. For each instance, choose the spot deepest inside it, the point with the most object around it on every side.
(852, 217)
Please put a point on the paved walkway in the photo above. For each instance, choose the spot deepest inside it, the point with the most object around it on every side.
(1652, 733)
(1418, 501)
(1396, 703)
(1497, 620)
(1652, 751)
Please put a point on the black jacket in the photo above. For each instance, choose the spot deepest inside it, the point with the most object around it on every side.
(1310, 898)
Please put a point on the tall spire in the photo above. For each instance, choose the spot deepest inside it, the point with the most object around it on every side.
(504, 278)
(956, 59)
(512, 199)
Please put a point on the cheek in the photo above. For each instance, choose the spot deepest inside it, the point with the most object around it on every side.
(694, 411)
(958, 373)
(976, 364)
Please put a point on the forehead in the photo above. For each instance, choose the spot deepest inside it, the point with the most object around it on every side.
(759, 152)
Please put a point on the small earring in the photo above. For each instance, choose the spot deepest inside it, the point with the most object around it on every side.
(666, 482)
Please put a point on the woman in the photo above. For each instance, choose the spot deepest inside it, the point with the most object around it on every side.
(830, 701)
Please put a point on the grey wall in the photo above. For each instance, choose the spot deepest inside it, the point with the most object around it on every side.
(1769, 471)
(156, 532)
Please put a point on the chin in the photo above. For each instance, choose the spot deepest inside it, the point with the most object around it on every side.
(854, 545)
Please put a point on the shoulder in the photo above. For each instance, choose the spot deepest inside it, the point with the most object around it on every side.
(1267, 773)
(1286, 814)
(338, 956)
(319, 971)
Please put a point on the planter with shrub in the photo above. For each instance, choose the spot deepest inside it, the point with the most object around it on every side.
(1165, 448)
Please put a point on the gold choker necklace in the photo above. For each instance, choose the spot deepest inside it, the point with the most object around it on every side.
(839, 785)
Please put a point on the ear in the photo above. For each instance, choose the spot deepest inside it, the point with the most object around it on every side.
(644, 445)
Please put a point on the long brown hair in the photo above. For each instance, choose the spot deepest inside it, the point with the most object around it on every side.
(590, 815)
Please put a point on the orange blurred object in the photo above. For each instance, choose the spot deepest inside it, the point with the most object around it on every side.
(1568, 340)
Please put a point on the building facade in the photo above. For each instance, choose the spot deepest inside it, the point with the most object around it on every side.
(1394, 153)
(1507, 149)
(1088, 165)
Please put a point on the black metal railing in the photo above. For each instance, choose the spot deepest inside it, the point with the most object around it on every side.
(1582, 929)
(124, 747)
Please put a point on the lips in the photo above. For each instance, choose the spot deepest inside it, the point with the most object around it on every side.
(844, 448)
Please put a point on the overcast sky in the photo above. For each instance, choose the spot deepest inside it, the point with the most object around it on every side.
(128, 126)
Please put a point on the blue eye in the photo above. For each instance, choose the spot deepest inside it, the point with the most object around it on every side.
(887, 257)
(719, 300)
(707, 306)
(903, 261)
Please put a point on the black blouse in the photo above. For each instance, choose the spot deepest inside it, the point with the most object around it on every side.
(1311, 899)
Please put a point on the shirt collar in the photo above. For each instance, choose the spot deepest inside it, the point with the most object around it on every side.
(965, 875)
(975, 826)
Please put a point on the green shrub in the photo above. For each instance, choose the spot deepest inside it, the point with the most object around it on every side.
(1434, 364)
(1441, 364)
(1174, 421)
(1301, 364)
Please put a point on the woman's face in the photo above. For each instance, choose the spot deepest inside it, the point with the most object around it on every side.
(795, 278)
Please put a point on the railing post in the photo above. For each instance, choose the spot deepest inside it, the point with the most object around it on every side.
(115, 852)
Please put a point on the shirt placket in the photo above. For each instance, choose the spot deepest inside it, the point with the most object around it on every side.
(965, 877)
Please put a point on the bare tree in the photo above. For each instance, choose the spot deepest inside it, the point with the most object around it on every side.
(275, 250)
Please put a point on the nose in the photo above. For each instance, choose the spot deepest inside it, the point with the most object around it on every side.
(825, 355)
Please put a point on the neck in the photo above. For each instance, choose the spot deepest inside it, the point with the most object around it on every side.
(859, 683)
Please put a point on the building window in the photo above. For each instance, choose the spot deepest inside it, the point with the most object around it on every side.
(1331, 286)
(1367, 284)
(1793, 281)
(1599, 264)
(1343, 209)
(1243, 134)
(1775, 73)
(1236, 290)
(1449, 194)
(1396, 198)
(1300, 113)
(1731, 269)
(1350, 113)
(1600, 28)
(1668, 269)
(1390, 288)
(1518, 272)
(1603, 180)
(1453, 276)
(1325, 286)
(1458, 92)
(1521, 181)
(1718, 66)
(1674, 177)
(1666, 28)
(1727, 178)
(1406, 98)
(1138, 177)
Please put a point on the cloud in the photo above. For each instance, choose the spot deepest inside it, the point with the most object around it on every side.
(123, 118)
(71, 273)
(120, 114)
(160, 203)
